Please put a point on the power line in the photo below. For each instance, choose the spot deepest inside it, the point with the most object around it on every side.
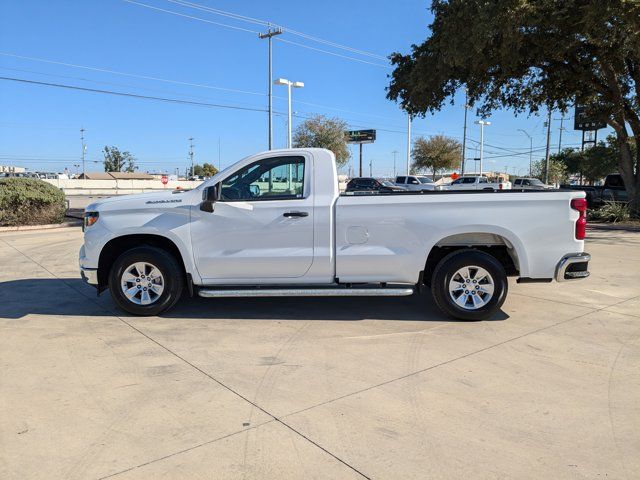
(216, 105)
(283, 40)
(244, 18)
(133, 95)
(133, 75)
(159, 79)
(255, 32)
(191, 17)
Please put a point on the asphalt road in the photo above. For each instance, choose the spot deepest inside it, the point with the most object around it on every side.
(317, 388)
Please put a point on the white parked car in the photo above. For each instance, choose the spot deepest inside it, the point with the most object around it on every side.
(275, 224)
(416, 183)
(477, 183)
(530, 184)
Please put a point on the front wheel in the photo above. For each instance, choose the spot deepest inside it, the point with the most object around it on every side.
(469, 285)
(145, 281)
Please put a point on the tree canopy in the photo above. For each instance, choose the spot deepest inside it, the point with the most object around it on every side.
(435, 154)
(205, 170)
(117, 161)
(529, 55)
(322, 132)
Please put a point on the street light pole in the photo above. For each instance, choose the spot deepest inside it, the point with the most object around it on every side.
(482, 124)
(272, 32)
(547, 155)
(530, 150)
(395, 152)
(84, 149)
(408, 143)
(464, 131)
(191, 153)
(289, 84)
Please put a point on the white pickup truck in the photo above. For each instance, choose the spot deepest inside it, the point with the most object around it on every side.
(477, 183)
(275, 224)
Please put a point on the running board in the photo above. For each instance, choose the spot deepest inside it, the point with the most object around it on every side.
(306, 292)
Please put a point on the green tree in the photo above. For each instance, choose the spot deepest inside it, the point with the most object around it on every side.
(117, 161)
(592, 164)
(557, 170)
(322, 132)
(205, 170)
(573, 161)
(528, 55)
(437, 153)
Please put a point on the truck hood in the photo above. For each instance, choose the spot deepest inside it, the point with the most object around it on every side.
(168, 199)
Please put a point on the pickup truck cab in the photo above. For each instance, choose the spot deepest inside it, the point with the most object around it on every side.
(416, 183)
(477, 183)
(275, 224)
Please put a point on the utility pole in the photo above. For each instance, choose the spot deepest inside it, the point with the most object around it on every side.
(561, 129)
(464, 134)
(84, 149)
(546, 168)
(360, 170)
(272, 32)
(191, 153)
(408, 143)
(394, 153)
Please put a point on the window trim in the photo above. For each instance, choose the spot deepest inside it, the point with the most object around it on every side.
(305, 182)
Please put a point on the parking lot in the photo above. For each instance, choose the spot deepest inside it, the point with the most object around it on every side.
(317, 388)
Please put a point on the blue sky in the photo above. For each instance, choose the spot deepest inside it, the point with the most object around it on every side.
(39, 125)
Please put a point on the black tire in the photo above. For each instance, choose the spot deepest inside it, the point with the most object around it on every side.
(172, 275)
(452, 263)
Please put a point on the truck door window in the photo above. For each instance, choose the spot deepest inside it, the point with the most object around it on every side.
(483, 180)
(413, 181)
(401, 180)
(468, 180)
(278, 178)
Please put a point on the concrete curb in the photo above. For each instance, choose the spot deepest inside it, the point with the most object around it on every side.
(51, 226)
(613, 226)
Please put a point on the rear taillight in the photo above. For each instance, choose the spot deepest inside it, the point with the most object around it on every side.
(580, 204)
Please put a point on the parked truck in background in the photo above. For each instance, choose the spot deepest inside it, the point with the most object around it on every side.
(613, 190)
(275, 224)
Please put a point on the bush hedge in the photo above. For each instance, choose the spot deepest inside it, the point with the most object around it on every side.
(29, 201)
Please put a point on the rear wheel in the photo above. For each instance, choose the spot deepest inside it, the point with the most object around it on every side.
(469, 285)
(145, 281)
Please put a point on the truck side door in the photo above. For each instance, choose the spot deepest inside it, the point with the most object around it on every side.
(262, 226)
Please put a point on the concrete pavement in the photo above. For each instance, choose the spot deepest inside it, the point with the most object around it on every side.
(317, 388)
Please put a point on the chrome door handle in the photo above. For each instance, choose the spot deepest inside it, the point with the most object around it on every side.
(295, 214)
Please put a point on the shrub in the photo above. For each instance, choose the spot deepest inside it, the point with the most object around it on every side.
(612, 212)
(29, 201)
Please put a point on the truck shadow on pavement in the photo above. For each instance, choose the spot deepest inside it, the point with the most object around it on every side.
(71, 297)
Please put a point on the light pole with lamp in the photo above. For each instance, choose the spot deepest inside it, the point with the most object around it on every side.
(530, 149)
(289, 84)
(482, 124)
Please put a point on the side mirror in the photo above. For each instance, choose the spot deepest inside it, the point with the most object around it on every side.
(210, 195)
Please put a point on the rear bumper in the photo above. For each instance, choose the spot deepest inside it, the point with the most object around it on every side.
(573, 266)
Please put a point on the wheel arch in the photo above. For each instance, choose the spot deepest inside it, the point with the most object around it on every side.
(118, 245)
(501, 244)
